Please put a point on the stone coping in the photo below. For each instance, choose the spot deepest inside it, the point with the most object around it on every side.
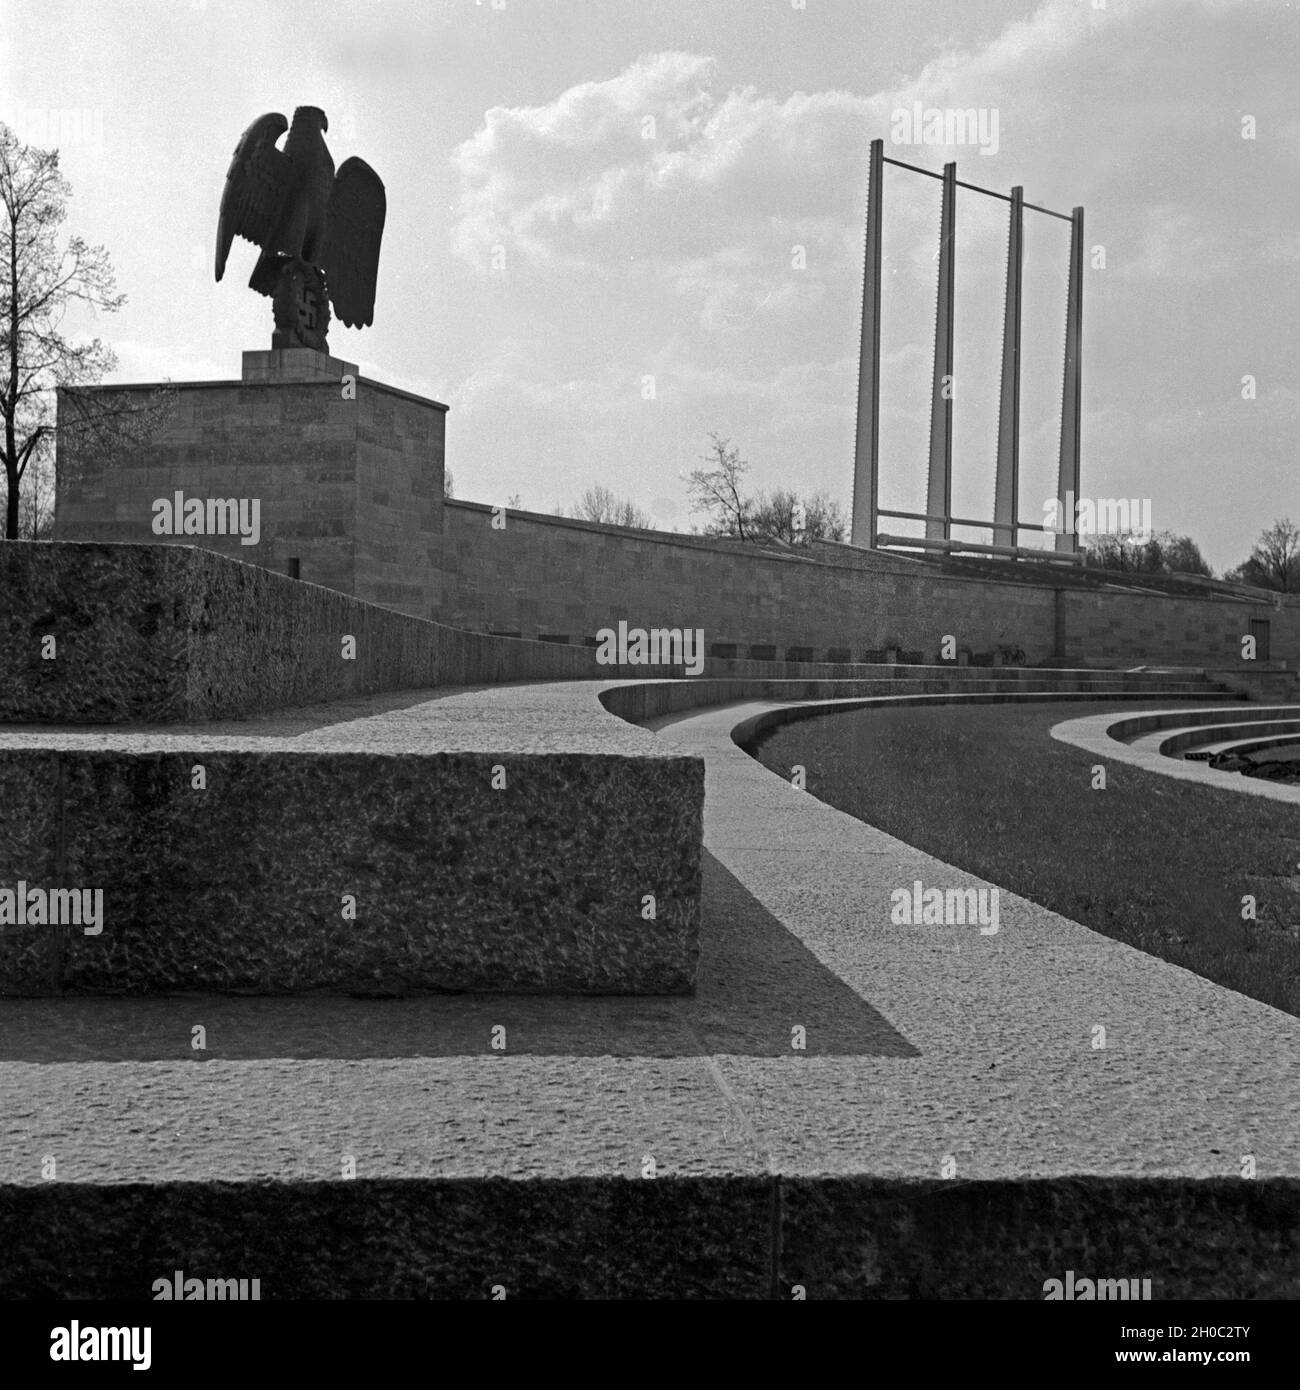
(1132, 725)
(646, 700)
(1203, 734)
(243, 383)
(558, 717)
(1104, 736)
(1252, 745)
(555, 716)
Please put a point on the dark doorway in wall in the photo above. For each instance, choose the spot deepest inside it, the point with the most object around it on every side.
(295, 567)
(1259, 631)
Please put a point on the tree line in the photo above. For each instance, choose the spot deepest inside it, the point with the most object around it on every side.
(783, 518)
(1273, 563)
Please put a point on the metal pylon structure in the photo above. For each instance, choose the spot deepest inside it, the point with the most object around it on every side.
(938, 517)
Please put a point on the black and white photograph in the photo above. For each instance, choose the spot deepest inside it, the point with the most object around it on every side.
(649, 651)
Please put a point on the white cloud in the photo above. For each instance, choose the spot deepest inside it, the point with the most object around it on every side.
(1134, 111)
(656, 163)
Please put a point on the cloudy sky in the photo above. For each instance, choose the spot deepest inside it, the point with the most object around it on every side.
(615, 226)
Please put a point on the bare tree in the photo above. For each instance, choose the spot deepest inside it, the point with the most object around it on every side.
(36, 513)
(1275, 561)
(600, 504)
(40, 279)
(716, 491)
(780, 518)
(448, 483)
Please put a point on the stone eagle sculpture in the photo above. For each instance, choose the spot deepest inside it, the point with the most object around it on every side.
(319, 231)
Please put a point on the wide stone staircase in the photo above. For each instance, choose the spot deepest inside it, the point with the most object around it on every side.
(268, 871)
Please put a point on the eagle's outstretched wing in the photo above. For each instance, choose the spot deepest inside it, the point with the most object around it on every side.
(354, 228)
(255, 187)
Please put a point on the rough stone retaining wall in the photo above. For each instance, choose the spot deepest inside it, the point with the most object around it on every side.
(152, 632)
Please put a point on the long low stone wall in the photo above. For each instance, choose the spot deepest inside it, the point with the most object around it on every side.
(101, 633)
(109, 633)
(546, 574)
(539, 574)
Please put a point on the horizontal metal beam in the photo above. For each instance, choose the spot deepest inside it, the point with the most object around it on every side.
(975, 188)
(960, 520)
(1021, 552)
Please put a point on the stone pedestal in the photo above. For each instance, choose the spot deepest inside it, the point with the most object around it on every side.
(346, 474)
(295, 364)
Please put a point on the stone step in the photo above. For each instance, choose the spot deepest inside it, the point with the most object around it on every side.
(615, 1235)
(405, 851)
(645, 700)
(1231, 728)
(616, 1148)
(1251, 716)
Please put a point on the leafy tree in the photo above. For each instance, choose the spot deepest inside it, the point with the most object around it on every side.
(41, 278)
(784, 518)
(448, 483)
(1132, 552)
(1181, 555)
(1274, 563)
(1109, 551)
(599, 504)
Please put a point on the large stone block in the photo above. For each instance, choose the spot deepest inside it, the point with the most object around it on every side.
(277, 871)
(601, 1237)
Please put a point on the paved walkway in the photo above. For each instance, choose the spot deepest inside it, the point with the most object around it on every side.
(1007, 1079)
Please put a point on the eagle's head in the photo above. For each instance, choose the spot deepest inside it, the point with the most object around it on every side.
(311, 116)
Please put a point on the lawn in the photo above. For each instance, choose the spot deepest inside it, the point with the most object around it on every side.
(1159, 864)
